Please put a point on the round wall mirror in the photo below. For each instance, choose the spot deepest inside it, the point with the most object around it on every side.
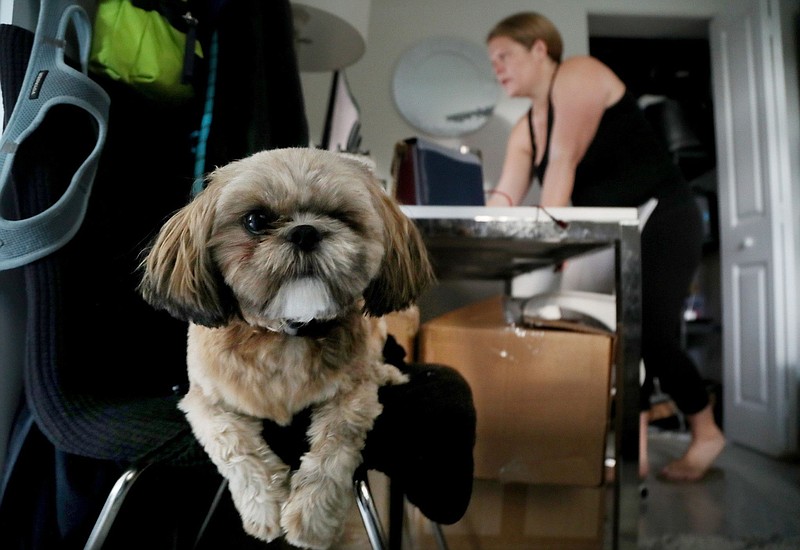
(445, 86)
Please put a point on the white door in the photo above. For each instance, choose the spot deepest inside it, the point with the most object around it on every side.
(756, 138)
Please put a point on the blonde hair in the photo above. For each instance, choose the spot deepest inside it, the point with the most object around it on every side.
(528, 27)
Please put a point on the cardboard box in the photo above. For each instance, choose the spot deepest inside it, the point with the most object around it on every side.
(521, 517)
(542, 396)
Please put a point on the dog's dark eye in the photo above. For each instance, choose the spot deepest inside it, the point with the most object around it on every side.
(349, 218)
(258, 222)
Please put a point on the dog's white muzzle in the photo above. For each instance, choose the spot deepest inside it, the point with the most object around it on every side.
(302, 300)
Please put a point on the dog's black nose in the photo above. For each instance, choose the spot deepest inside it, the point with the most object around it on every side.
(305, 237)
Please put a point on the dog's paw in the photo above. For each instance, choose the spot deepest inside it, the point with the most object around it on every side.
(308, 529)
(261, 518)
(260, 506)
(389, 375)
(265, 528)
(314, 515)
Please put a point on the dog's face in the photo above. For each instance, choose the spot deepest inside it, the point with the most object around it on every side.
(284, 236)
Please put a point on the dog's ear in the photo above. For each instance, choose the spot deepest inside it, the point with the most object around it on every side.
(406, 269)
(365, 161)
(178, 272)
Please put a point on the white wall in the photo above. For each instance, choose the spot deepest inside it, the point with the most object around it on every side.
(396, 25)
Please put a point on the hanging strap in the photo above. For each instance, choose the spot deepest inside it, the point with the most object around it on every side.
(48, 82)
(208, 115)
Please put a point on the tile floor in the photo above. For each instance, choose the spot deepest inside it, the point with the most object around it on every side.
(746, 495)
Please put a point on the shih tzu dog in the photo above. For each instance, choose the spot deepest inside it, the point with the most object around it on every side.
(283, 265)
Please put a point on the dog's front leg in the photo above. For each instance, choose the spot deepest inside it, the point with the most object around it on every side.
(257, 478)
(322, 488)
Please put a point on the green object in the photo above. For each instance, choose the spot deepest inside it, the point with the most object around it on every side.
(141, 48)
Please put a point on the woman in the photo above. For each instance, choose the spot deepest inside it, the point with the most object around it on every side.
(588, 144)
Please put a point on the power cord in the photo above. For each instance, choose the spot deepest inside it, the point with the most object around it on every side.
(560, 223)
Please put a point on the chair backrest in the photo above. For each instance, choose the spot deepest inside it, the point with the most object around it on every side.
(80, 291)
(12, 334)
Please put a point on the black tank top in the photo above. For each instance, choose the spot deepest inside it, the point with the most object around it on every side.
(625, 165)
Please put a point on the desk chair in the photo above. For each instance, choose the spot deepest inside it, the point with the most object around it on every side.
(104, 371)
(79, 350)
(432, 470)
(423, 439)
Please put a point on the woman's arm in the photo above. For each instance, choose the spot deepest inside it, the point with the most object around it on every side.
(583, 89)
(515, 178)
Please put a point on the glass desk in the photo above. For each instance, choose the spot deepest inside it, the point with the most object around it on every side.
(500, 243)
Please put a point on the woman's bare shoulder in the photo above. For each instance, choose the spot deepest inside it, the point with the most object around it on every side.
(584, 73)
(585, 65)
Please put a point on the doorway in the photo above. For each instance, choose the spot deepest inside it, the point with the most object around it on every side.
(666, 64)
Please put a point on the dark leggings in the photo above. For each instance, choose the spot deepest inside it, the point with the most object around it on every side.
(671, 246)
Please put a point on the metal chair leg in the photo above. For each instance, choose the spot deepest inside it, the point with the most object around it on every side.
(441, 542)
(397, 512)
(114, 502)
(368, 511)
(111, 507)
(397, 503)
(217, 497)
(364, 499)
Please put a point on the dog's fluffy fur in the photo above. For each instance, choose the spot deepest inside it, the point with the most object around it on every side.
(283, 266)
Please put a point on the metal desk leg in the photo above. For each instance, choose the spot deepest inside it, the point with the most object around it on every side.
(629, 316)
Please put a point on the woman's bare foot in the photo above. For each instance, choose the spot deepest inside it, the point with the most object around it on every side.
(706, 445)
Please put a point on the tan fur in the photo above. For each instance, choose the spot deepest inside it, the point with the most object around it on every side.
(238, 283)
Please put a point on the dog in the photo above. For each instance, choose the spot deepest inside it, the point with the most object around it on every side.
(284, 265)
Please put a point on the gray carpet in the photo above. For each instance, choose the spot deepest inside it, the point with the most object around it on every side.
(718, 542)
